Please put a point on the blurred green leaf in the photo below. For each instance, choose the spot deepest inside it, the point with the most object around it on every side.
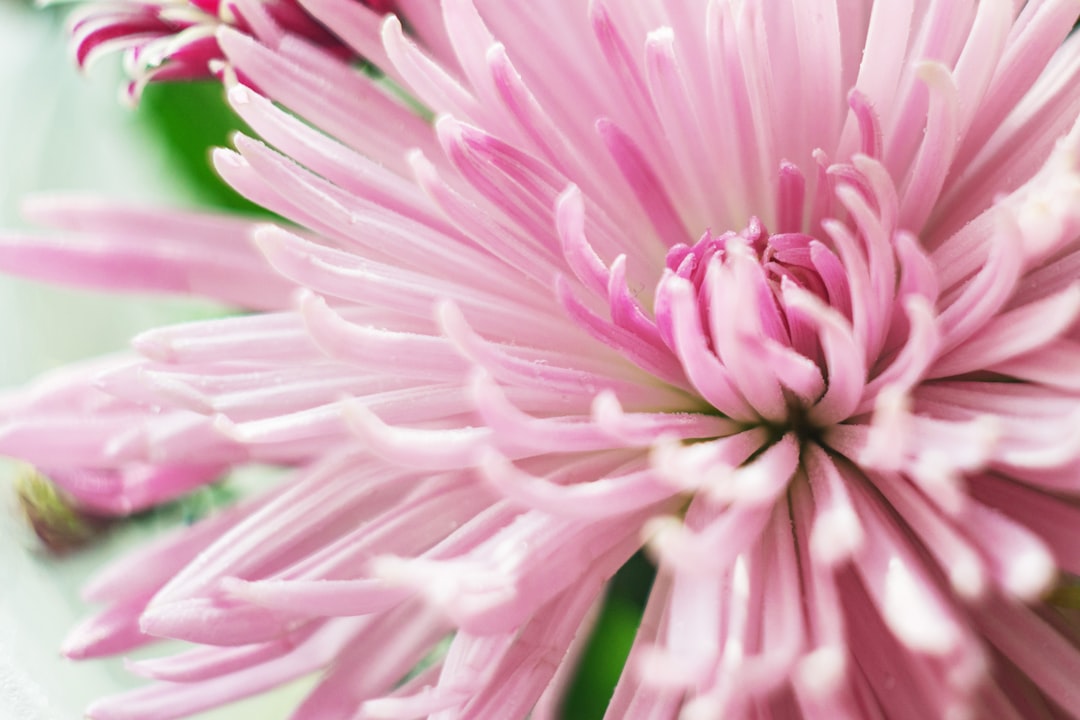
(602, 662)
(192, 119)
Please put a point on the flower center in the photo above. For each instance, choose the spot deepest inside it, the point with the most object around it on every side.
(798, 422)
(753, 319)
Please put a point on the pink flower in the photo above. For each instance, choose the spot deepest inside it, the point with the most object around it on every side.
(785, 292)
(175, 39)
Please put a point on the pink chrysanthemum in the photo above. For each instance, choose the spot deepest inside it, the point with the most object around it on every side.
(784, 291)
(175, 39)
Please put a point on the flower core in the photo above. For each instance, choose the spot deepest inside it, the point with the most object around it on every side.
(745, 286)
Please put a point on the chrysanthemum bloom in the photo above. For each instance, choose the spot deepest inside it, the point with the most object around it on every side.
(175, 39)
(785, 292)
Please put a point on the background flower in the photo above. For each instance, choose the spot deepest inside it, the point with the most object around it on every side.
(175, 39)
(822, 366)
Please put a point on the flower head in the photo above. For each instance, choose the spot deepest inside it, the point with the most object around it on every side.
(785, 292)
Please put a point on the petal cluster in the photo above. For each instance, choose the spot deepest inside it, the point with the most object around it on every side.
(785, 293)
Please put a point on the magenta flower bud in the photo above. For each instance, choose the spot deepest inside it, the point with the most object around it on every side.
(176, 39)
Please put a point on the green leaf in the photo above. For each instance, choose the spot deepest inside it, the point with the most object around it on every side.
(605, 656)
(192, 119)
